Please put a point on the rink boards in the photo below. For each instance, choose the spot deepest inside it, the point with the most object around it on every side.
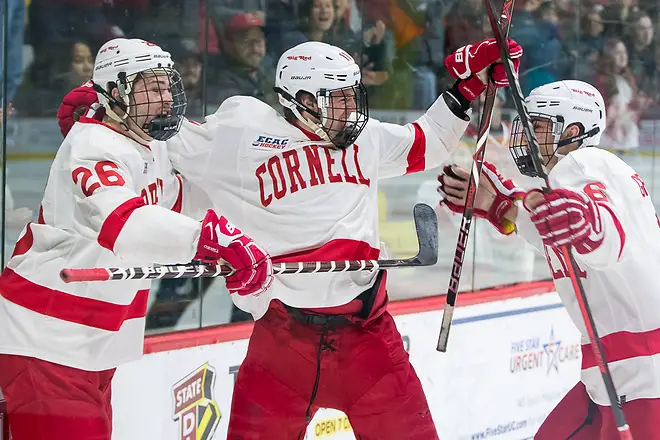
(513, 353)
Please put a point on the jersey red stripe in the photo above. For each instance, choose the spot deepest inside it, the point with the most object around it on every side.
(623, 345)
(114, 223)
(25, 242)
(338, 249)
(179, 198)
(617, 225)
(417, 154)
(71, 308)
(40, 219)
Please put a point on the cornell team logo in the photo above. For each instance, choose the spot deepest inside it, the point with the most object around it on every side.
(194, 407)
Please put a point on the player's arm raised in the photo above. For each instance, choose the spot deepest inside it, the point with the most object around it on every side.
(430, 140)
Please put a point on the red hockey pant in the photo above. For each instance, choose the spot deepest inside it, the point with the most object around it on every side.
(365, 372)
(47, 401)
(577, 418)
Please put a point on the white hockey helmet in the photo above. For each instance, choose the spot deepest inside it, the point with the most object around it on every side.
(564, 103)
(119, 64)
(321, 69)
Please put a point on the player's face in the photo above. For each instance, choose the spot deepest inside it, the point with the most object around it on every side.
(340, 108)
(151, 97)
(543, 131)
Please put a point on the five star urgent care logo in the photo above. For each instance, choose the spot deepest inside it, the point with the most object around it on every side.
(545, 353)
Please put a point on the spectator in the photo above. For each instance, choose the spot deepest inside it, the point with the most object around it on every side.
(320, 23)
(244, 71)
(82, 64)
(317, 18)
(591, 39)
(221, 11)
(55, 23)
(655, 79)
(283, 17)
(465, 24)
(14, 47)
(535, 28)
(640, 51)
(73, 68)
(624, 104)
(168, 22)
(590, 45)
(616, 15)
(347, 17)
(188, 60)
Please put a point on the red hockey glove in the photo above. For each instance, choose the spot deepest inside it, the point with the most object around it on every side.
(468, 61)
(75, 104)
(564, 217)
(219, 239)
(494, 198)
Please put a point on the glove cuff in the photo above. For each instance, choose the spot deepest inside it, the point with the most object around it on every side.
(496, 214)
(471, 88)
(457, 102)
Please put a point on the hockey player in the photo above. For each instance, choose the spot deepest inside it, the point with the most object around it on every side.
(305, 186)
(111, 199)
(602, 208)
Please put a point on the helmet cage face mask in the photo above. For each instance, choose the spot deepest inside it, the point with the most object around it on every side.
(519, 148)
(352, 121)
(161, 126)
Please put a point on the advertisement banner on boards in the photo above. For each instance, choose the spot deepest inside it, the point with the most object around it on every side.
(508, 364)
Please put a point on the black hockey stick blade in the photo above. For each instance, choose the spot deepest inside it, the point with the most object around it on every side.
(473, 184)
(426, 226)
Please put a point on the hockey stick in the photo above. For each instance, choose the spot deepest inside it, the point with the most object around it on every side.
(473, 184)
(585, 310)
(426, 226)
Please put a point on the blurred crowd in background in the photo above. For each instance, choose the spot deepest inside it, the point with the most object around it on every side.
(229, 47)
(224, 48)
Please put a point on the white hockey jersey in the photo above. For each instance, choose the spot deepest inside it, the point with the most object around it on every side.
(109, 202)
(620, 277)
(301, 199)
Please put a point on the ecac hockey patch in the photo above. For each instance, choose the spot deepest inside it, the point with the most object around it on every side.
(270, 142)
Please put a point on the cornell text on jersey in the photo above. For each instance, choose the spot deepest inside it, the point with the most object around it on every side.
(295, 170)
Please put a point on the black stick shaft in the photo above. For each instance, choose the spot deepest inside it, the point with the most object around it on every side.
(473, 184)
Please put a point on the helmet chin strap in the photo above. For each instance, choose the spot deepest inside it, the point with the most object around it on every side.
(124, 106)
(315, 127)
(579, 138)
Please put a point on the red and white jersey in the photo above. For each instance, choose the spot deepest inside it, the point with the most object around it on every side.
(109, 202)
(620, 276)
(298, 197)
